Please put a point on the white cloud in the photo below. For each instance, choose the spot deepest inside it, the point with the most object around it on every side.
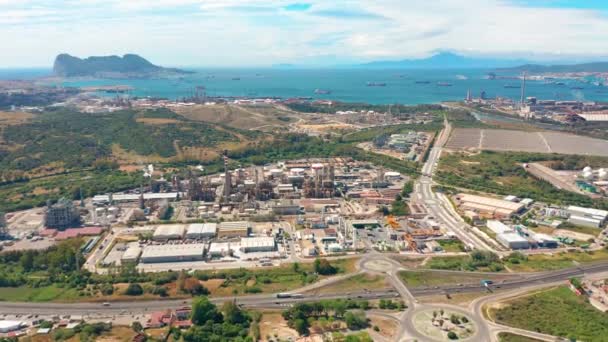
(261, 32)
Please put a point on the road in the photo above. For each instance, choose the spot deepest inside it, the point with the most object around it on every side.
(439, 206)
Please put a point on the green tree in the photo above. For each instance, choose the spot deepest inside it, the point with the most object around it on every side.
(134, 289)
(203, 311)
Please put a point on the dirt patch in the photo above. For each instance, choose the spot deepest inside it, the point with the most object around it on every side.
(242, 117)
(273, 325)
(117, 334)
(388, 327)
(157, 121)
(213, 284)
(14, 118)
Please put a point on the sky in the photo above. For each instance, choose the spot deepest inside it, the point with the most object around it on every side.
(240, 33)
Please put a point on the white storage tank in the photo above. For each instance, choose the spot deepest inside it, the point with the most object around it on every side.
(603, 174)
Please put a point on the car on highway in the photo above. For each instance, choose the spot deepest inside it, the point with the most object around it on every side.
(106, 304)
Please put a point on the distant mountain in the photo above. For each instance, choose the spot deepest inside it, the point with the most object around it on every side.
(445, 60)
(127, 66)
(539, 69)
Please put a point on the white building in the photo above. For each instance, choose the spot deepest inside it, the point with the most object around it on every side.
(222, 249)
(498, 227)
(169, 232)
(173, 253)
(8, 326)
(132, 253)
(201, 231)
(597, 214)
(512, 241)
(258, 244)
(585, 221)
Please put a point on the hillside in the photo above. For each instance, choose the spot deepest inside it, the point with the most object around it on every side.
(538, 68)
(444, 60)
(127, 66)
(64, 140)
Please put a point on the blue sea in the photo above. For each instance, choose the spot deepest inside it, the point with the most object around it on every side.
(348, 85)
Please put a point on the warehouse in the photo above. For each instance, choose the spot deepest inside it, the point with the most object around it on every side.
(585, 221)
(545, 241)
(512, 241)
(487, 206)
(498, 227)
(593, 214)
(169, 232)
(201, 231)
(258, 244)
(173, 253)
(233, 229)
(222, 249)
(131, 254)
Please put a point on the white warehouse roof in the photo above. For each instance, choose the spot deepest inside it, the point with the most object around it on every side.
(166, 251)
(135, 197)
(498, 227)
(257, 242)
(202, 229)
(601, 214)
(132, 252)
(170, 230)
(234, 225)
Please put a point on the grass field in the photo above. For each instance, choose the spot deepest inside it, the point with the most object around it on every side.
(357, 283)
(41, 294)
(546, 262)
(452, 246)
(427, 279)
(508, 337)
(558, 312)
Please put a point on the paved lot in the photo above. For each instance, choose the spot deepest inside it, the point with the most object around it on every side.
(542, 142)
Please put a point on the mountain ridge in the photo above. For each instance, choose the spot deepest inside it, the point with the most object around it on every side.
(129, 66)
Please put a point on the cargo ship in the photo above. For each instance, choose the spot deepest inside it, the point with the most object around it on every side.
(512, 86)
(444, 84)
(376, 84)
(423, 82)
(322, 91)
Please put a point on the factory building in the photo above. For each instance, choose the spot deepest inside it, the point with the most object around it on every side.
(169, 232)
(545, 241)
(258, 244)
(222, 249)
(131, 254)
(498, 227)
(488, 206)
(585, 221)
(173, 253)
(201, 231)
(233, 229)
(286, 208)
(587, 217)
(512, 241)
(61, 215)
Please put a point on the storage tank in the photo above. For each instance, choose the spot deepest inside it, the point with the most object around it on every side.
(587, 169)
(588, 175)
(603, 174)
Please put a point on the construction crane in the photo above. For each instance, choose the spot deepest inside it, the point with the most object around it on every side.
(411, 244)
(390, 219)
